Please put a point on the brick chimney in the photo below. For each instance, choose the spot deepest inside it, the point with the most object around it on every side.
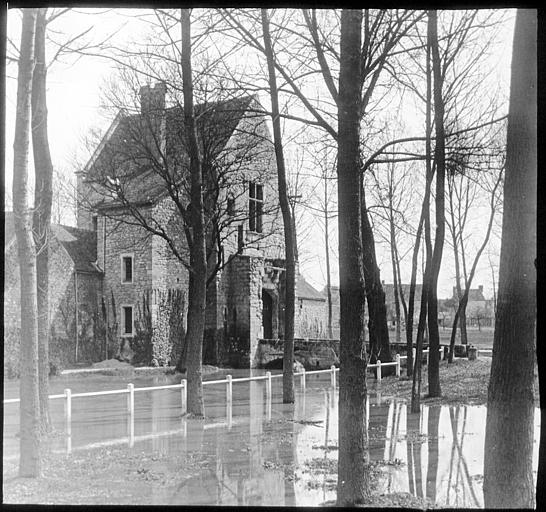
(152, 119)
(152, 99)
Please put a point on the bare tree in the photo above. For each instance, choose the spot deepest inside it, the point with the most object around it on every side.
(316, 56)
(43, 195)
(460, 189)
(29, 417)
(436, 260)
(290, 243)
(508, 471)
(353, 480)
(198, 267)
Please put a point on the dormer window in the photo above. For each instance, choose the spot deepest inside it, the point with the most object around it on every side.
(255, 206)
(127, 273)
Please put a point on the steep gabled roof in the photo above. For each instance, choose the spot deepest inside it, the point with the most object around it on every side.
(475, 295)
(80, 244)
(305, 291)
(127, 155)
(388, 288)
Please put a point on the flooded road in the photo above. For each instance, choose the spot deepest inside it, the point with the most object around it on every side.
(262, 452)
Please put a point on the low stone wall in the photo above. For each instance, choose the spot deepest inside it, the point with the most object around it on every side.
(312, 354)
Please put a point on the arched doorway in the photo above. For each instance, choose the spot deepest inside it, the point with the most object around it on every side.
(267, 314)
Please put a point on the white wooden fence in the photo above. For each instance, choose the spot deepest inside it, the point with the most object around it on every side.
(130, 391)
(228, 381)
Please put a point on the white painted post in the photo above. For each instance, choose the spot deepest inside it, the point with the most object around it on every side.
(333, 376)
(229, 389)
(68, 411)
(229, 414)
(131, 411)
(131, 398)
(398, 365)
(426, 358)
(379, 370)
(367, 411)
(303, 379)
(184, 396)
(414, 352)
(268, 385)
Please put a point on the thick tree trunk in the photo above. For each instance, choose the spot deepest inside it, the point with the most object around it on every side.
(439, 159)
(288, 224)
(43, 196)
(29, 416)
(353, 479)
(508, 474)
(377, 310)
(197, 299)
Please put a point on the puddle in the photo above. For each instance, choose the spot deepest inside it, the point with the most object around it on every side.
(263, 452)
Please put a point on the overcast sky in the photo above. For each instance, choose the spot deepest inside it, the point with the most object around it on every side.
(74, 101)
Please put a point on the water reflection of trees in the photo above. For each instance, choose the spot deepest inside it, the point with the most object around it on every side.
(428, 453)
(255, 460)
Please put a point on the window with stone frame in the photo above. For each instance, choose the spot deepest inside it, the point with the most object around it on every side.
(127, 268)
(127, 320)
(255, 206)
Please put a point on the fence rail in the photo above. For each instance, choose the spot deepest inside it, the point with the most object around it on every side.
(130, 389)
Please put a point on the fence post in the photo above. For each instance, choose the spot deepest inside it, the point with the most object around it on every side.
(333, 375)
(303, 379)
(398, 365)
(184, 395)
(131, 398)
(229, 389)
(68, 411)
(268, 395)
(379, 370)
(268, 385)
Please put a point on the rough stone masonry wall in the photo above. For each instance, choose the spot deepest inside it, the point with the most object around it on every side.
(252, 139)
(122, 238)
(244, 297)
(168, 273)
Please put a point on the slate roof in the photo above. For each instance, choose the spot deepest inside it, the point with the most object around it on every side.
(126, 152)
(474, 294)
(305, 291)
(389, 292)
(80, 244)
